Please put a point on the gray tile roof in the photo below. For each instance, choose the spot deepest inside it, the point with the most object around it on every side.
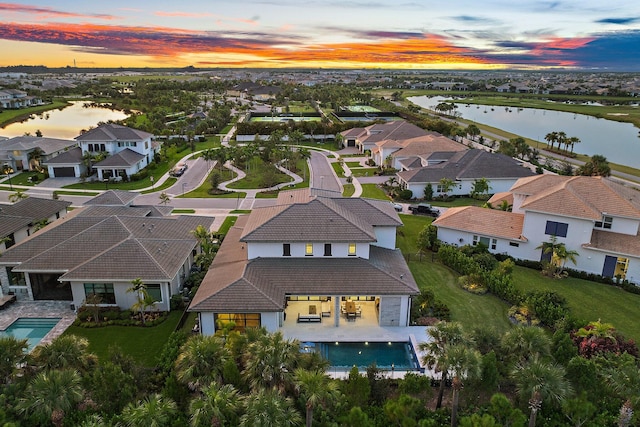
(113, 132)
(113, 198)
(468, 165)
(10, 224)
(109, 247)
(27, 143)
(27, 211)
(234, 283)
(124, 158)
(73, 156)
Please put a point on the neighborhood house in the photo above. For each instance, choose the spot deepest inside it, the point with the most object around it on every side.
(594, 216)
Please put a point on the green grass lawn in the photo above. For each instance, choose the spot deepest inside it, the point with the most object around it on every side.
(363, 171)
(348, 190)
(587, 300)
(9, 116)
(469, 309)
(458, 201)
(143, 344)
(337, 167)
(372, 191)
(227, 224)
(353, 164)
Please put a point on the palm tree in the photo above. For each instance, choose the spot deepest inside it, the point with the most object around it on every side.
(446, 185)
(164, 198)
(463, 363)
(13, 353)
(473, 131)
(154, 411)
(64, 352)
(443, 335)
(201, 361)
(143, 298)
(524, 342)
(208, 247)
(551, 138)
(270, 362)
(573, 141)
(50, 395)
(540, 381)
(559, 255)
(596, 166)
(268, 408)
(623, 376)
(34, 158)
(218, 406)
(317, 389)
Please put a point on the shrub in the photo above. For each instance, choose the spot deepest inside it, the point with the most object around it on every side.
(139, 175)
(405, 194)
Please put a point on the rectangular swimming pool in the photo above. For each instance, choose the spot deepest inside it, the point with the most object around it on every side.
(344, 355)
(33, 329)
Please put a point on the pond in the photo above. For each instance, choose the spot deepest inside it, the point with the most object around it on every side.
(65, 123)
(617, 141)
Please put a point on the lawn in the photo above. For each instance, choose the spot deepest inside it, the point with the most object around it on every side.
(372, 191)
(9, 116)
(363, 171)
(337, 167)
(143, 344)
(348, 190)
(469, 309)
(588, 300)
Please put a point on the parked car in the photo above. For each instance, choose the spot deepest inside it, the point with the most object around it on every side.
(397, 206)
(178, 170)
(424, 209)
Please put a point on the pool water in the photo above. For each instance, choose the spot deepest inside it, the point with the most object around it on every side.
(33, 329)
(344, 355)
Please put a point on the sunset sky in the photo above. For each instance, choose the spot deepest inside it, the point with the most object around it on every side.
(418, 34)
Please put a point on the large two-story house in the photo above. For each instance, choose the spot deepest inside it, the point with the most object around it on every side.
(99, 249)
(129, 150)
(594, 216)
(20, 152)
(365, 139)
(309, 259)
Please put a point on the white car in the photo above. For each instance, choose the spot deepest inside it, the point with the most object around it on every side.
(397, 206)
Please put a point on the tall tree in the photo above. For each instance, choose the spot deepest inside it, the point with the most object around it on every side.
(217, 406)
(154, 411)
(270, 362)
(316, 389)
(143, 298)
(201, 361)
(540, 381)
(596, 166)
(13, 353)
(443, 336)
(64, 352)
(51, 395)
(268, 408)
(463, 362)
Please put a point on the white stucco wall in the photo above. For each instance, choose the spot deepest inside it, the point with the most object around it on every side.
(274, 250)
(386, 237)
(124, 300)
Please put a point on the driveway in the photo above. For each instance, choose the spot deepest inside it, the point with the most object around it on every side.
(322, 174)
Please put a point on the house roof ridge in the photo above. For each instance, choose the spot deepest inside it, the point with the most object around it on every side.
(348, 216)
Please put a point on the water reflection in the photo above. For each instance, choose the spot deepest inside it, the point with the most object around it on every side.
(617, 141)
(65, 122)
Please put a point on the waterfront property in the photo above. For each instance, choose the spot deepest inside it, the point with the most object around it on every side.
(593, 216)
(314, 259)
(29, 152)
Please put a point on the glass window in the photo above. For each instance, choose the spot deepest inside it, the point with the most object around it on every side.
(606, 222)
(286, 249)
(242, 321)
(102, 290)
(558, 229)
(308, 249)
(352, 249)
(154, 292)
(327, 249)
(494, 243)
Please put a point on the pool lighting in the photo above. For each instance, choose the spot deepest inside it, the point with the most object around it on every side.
(359, 352)
(336, 342)
(389, 343)
(366, 343)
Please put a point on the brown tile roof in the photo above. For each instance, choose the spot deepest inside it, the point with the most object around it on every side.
(497, 198)
(615, 242)
(234, 283)
(482, 221)
(425, 145)
(304, 195)
(579, 196)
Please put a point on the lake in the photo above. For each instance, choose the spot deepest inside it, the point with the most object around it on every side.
(618, 142)
(65, 123)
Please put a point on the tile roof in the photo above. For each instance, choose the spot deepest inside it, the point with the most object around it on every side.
(113, 132)
(425, 145)
(234, 283)
(88, 246)
(482, 221)
(10, 224)
(124, 158)
(467, 165)
(615, 242)
(579, 196)
(73, 156)
(26, 143)
(113, 198)
(34, 208)
(318, 220)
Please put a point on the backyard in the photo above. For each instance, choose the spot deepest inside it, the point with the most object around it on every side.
(588, 301)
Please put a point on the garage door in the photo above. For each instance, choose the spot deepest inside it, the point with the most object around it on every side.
(64, 172)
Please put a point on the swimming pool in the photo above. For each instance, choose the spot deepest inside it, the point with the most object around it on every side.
(386, 355)
(33, 329)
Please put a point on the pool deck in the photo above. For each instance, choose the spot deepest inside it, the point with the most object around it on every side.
(40, 309)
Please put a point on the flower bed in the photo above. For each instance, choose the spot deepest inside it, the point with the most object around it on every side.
(90, 317)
